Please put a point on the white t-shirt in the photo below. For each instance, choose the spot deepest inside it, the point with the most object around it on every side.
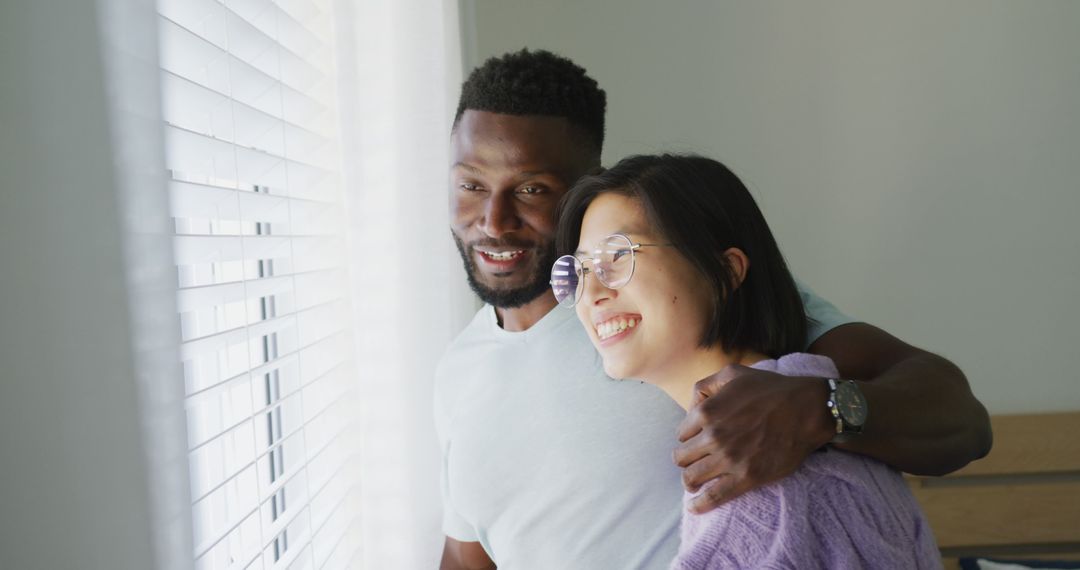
(547, 462)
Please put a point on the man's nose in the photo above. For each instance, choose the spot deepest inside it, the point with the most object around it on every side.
(500, 216)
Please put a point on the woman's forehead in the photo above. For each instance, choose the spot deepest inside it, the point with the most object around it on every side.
(614, 213)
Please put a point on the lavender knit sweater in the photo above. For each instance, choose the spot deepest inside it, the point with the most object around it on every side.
(838, 510)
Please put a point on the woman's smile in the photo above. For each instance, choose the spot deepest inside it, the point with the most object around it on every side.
(611, 328)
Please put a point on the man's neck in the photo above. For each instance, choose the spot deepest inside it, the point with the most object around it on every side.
(524, 317)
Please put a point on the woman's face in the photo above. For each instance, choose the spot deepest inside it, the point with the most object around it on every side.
(667, 300)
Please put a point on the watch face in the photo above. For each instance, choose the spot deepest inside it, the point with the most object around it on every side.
(851, 403)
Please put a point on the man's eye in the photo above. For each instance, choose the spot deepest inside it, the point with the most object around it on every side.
(468, 186)
(531, 189)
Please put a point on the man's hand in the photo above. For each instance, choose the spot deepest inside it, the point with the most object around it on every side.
(752, 427)
(748, 428)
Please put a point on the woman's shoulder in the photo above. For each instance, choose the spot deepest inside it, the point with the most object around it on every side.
(831, 509)
(799, 364)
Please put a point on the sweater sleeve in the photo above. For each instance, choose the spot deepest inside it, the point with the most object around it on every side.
(750, 531)
(836, 511)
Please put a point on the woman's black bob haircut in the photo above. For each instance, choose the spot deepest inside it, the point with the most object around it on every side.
(699, 206)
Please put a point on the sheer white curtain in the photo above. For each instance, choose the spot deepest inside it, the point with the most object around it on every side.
(130, 59)
(401, 76)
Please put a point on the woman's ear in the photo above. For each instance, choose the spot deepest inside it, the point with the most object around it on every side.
(739, 264)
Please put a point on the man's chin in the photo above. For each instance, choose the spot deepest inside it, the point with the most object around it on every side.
(508, 297)
(507, 290)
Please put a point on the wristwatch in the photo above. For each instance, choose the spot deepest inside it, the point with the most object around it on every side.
(847, 406)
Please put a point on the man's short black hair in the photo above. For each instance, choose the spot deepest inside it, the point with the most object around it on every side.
(699, 206)
(537, 83)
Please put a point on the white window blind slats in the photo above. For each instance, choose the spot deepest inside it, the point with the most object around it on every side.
(201, 201)
(306, 101)
(331, 533)
(260, 34)
(228, 164)
(203, 109)
(196, 273)
(219, 459)
(199, 250)
(313, 324)
(195, 298)
(251, 147)
(202, 377)
(316, 14)
(330, 497)
(344, 553)
(222, 407)
(340, 486)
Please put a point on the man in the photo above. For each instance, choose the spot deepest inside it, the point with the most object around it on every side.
(547, 463)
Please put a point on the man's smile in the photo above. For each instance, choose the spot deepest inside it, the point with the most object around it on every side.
(500, 260)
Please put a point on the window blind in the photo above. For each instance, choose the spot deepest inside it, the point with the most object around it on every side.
(250, 112)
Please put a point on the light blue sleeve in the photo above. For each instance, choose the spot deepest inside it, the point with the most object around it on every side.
(821, 315)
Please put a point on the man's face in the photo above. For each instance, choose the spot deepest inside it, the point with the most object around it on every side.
(507, 177)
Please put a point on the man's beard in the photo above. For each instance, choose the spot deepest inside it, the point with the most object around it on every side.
(539, 282)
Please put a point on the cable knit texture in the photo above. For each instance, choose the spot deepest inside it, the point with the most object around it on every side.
(839, 510)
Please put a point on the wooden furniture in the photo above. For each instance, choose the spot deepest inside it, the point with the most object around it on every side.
(1021, 501)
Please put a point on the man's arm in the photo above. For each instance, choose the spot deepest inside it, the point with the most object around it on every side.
(923, 418)
(459, 555)
(753, 427)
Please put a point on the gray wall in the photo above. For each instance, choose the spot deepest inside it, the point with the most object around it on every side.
(915, 159)
(76, 481)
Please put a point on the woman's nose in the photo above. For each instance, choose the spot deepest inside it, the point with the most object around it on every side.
(594, 290)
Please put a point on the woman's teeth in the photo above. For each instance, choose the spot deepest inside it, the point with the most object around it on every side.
(608, 329)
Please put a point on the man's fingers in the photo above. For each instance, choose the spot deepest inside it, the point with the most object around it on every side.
(719, 492)
(691, 425)
(700, 472)
(699, 397)
(712, 384)
(692, 449)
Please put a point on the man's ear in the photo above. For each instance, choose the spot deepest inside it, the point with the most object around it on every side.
(739, 264)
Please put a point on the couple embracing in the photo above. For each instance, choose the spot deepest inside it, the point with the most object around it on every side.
(647, 385)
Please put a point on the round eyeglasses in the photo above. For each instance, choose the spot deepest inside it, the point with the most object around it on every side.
(612, 262)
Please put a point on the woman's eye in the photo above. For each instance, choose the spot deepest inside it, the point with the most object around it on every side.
(619, 254)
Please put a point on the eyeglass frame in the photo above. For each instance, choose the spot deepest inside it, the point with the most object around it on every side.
(585, 270)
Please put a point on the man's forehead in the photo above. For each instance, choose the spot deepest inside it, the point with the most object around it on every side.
(520, 143)
(490, 121)
(525, 170)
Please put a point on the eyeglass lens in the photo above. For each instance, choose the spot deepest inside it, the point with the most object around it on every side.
(566, 280)
(612, 263)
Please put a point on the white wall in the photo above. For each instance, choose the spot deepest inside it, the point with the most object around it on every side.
(915, 159)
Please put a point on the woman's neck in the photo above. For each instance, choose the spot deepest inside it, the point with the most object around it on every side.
(679, 381)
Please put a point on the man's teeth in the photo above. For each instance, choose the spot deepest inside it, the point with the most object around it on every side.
(608, 329)
(504, 255)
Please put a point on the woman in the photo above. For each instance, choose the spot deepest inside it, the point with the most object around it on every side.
(675, 275)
